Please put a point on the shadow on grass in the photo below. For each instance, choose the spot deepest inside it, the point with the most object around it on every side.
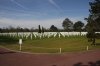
(8, 40)
(7, 52)
(98, 44)
(97, 63)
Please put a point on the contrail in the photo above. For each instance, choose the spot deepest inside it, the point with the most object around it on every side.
(53, 3)
(18, 4)
(57, 6)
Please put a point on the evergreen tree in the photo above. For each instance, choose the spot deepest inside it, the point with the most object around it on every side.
(42, 30)
(39, 30)
(93, 20)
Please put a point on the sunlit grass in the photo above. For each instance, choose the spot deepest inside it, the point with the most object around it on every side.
(52, 45)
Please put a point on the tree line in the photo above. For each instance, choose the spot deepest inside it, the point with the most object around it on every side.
(67, 25)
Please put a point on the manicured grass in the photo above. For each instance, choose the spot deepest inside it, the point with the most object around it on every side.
(52, 45)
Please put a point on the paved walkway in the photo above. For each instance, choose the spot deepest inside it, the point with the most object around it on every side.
(10, 58)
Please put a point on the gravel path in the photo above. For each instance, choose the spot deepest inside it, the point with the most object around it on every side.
(10, 58)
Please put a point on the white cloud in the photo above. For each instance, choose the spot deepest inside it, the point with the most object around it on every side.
(30, 23)
(6, 22)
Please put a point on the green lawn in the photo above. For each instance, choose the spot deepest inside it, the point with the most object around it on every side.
(52, 45)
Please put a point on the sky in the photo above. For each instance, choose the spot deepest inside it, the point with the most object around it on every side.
(31, 13)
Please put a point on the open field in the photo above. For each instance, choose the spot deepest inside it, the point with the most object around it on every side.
(52, 44)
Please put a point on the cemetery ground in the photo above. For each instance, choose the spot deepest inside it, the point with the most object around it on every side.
(52, 45)
(46, 52)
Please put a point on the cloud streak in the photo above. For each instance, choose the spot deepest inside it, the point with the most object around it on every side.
(54, 4)
(18, 4)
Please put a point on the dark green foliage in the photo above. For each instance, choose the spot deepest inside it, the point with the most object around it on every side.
(42, 30)
(0, 30)
(67, 24)
(53, 28)
(93, 20)
(94, 17)
(78, 26)
(93, 35)
(97, 35)
(39, 29)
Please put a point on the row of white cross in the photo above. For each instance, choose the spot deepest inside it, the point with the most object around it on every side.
(41, 35)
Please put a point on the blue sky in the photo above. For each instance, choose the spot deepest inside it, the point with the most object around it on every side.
(31, 13)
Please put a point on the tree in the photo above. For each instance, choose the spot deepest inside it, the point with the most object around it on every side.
(39, 31)
(42, 29)
(25, 29)
(78, 26)
(32, 29)
(93, 20)
(67, 24)
(10, 28)
(53, 28)
(0, 30)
